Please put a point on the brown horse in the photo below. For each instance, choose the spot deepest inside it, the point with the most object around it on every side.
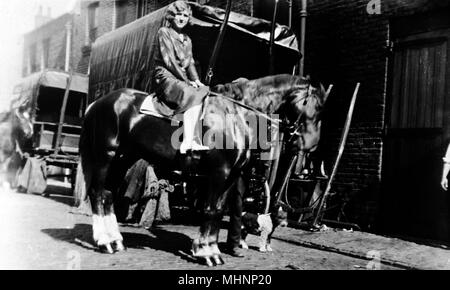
(115, 135)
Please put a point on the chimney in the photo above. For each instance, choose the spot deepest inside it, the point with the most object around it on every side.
(40, 19)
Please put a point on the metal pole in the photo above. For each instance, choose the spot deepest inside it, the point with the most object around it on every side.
(276, 160)
(272, 40)
(303, 14)
(290, 13)
(218, 44)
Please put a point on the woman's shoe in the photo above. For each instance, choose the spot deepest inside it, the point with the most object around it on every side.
(194, 146)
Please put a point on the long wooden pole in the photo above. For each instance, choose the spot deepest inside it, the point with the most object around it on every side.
(62, 114)
(340, 152)
(217, 45)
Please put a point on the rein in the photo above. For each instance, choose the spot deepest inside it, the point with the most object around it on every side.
(278, 122)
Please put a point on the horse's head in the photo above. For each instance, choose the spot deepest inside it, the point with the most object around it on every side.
(303, 106)
(21, 122)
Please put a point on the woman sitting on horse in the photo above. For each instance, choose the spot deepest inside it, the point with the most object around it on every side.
(176, 79)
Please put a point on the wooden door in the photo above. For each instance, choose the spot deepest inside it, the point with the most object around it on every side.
(417, 129)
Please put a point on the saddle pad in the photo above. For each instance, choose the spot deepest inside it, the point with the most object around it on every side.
(154, 107)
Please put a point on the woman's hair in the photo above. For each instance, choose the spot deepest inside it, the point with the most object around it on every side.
(174, 8)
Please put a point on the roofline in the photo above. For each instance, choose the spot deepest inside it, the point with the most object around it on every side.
(68, 15)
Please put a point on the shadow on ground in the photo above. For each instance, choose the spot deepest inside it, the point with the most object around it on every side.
(157, 239)
(80, 235)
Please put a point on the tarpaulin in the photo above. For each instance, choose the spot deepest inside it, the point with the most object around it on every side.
(28, 88)
(125, 56)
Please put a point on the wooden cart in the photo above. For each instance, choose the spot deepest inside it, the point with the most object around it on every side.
(58, 101)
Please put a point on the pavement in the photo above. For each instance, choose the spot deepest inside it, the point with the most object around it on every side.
(389, 251)
(48, 233)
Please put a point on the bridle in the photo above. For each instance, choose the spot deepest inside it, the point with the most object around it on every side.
(294, 131)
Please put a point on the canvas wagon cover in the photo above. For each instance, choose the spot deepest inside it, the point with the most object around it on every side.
(125, 57)
(28, 88)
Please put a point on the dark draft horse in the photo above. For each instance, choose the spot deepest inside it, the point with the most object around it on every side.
(115, 135)
(16, 130)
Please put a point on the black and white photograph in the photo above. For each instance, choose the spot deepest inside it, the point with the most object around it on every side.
(225, 140)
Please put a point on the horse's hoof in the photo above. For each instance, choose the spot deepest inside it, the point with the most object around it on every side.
(208, 261)
(118, 246)
(218, 260)
(106, 249)
(243, 245)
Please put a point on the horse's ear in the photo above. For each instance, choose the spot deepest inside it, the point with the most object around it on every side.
(240, 80)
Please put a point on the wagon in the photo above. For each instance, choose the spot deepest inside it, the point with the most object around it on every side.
(58, 101)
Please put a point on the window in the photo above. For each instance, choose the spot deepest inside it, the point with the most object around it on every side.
(142, 8)
(93, 21)
(121, 13)
(45, 52)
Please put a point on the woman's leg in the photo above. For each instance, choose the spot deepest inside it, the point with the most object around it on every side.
(191, 117)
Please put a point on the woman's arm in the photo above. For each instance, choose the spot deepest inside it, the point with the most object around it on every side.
(191, 69)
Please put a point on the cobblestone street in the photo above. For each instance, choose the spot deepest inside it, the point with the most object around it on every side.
(46, 233)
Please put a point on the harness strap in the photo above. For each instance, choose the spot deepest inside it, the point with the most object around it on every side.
(278, 122)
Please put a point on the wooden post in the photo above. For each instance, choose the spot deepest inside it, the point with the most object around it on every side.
(62, 113)
(340, 152)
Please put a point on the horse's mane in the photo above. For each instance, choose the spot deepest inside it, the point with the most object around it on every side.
(274, 89)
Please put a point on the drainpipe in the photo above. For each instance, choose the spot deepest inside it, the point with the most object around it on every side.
(303, 15)
(68, 45)
(290, 14)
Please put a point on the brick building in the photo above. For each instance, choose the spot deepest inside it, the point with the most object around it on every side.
(45, 46)
(389, 176)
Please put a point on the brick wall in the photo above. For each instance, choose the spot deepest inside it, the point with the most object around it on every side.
(55, 33)
(345, 45)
